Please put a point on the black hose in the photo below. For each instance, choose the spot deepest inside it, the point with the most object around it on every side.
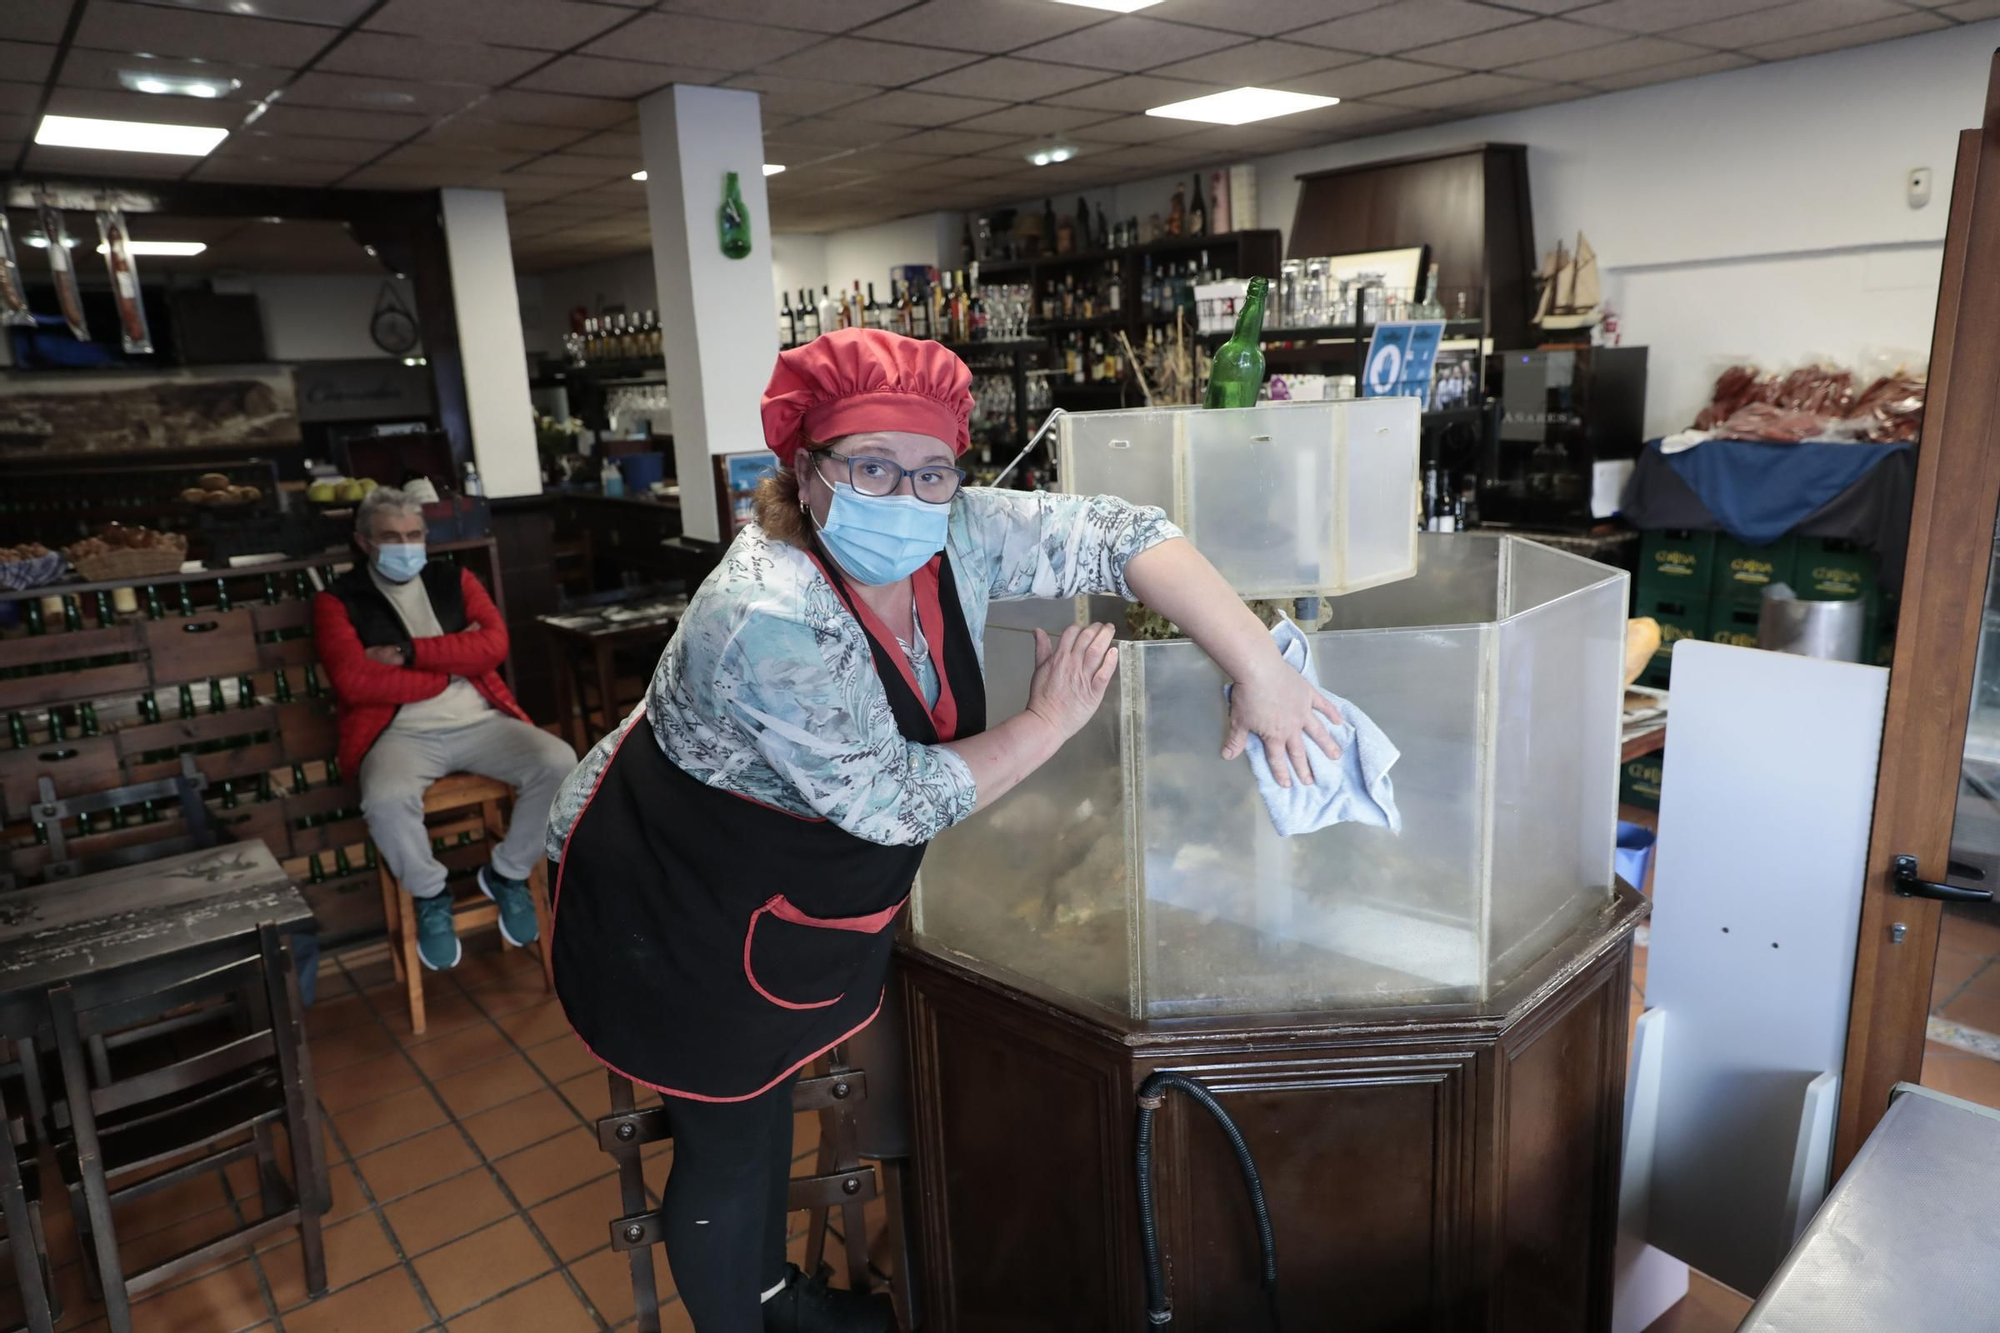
(1152, 1093)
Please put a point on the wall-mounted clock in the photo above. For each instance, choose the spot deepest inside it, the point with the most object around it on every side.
(392, 326)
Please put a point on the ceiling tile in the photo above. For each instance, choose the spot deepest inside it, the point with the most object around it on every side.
(1462, 91)
(1786, 22)
(882, 160)
(577, 167)
(1973, 11)
(269, 171)
(1141, 129)
(1399, 27)
(818, 15)
(484, 133)
(1035, 119)
(550, 25)
(1511, 46)
(405, 178)
(595, 76)
(1010, 80)
(1132, 44)
(385, 55)
(839, 133)
(28, 62)
(95, 162)
(589, 113)
(854, 60)
(952, 141)
(1369, 78)
(376, 126)
(142, 106)
(300, 147)
(1138, 92)
(113, 26)
(412, 96)
(1264, 17)
(100, 69)
(788, 96)
(1716, 63)
(908, 108)
(1546, 96)
(1257, 64)
(706, 43)
(983, 25)
(22, 98)
(960, 168)
(456, 157)
(1660, 15)
(1859, 34)
(1617, 58)
(37, 22)
(611, 143)
(1549, 6)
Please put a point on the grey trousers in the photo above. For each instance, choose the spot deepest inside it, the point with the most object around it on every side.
(401, 764)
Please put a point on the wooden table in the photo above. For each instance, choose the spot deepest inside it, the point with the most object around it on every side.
(118, 932)
(594, 635)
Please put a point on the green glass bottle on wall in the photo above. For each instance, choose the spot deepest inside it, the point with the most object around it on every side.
(734, 220)
(1237, 372)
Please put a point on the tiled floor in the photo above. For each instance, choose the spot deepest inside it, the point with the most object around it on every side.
(469, 1193)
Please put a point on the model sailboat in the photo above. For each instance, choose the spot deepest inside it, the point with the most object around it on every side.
(1572, 291)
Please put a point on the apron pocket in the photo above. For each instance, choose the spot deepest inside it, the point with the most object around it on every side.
(800, 962)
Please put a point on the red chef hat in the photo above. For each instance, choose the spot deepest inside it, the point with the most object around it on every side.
(854, 380)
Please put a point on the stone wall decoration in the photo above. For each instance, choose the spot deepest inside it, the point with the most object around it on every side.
(59, 416)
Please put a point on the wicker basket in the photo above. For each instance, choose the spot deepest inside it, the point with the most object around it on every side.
(131, 563)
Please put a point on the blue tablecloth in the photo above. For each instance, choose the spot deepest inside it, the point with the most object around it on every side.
(1759, 491)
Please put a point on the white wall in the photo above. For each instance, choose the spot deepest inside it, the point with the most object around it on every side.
(868, 253)
(1759, 212)
(317, 316)
(798, 260)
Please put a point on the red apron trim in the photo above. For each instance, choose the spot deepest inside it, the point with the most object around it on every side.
(785, 910)
(555, 896)
(665, 1091)
(944, 716)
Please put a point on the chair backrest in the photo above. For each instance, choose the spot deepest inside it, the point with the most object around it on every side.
(185, 788)
(198, 1055)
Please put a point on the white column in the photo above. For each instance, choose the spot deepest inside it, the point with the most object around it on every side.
(718, 316)
(490, 345)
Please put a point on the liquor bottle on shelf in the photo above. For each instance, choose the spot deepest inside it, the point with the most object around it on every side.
(1197, 218)
(72, 614)
(873, 315)
(1237, 372)
(106, 617)
(655, 340)
(975, 315)
(788, 329)
(1103, 233)
(961, 318)
(186, 600)
(154, 611)
(857, 314)
(1048, 226)
(1082, 224)
(829, 310)
(1114, 295)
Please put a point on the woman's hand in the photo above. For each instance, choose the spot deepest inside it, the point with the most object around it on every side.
(1071, 675)
(1282, 708)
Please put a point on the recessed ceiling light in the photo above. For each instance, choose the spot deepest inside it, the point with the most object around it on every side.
(1052, 152)
(128, 136)
(1240, 106)
(638, 175)
(1115, 6)
(177, 85)
(179, 249)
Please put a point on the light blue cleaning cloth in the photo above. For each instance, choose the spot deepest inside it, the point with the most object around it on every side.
(1354, 788)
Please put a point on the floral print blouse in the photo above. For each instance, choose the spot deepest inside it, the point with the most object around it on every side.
(769, 690)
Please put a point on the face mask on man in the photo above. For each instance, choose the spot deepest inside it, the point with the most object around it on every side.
(399, 562)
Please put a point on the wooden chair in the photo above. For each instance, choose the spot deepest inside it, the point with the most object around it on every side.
(466, 803)
(201, 1111)
(48, 813)
(841, 1179)
(21, 1204)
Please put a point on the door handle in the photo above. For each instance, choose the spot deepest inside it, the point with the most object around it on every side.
(1903, 873)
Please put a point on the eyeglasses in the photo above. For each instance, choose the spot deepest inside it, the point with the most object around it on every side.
(933, 483)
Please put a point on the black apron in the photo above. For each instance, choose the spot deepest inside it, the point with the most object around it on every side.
(707, 945)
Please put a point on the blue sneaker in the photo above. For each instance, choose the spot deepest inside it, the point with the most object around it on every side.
(517, 907)
(437, 938)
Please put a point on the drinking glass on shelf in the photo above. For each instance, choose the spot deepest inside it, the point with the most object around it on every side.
(1314, 308)
(1290, 275)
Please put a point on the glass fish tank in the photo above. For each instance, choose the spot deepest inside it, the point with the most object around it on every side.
(1141, 872)
(1285, 499)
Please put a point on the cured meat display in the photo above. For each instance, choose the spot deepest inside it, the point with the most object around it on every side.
(1814, 402)
(13, 297)
(62, 271)
(132, 330)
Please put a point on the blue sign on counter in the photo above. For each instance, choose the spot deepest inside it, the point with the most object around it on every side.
(1400, 357)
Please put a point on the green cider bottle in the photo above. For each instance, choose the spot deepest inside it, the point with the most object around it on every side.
(1237, 372)
(733, 220)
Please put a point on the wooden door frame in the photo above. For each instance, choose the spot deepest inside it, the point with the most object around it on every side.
(1937, 645)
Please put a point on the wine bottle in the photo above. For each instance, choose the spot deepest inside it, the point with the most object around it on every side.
(154, 611)
(246, 692)
(186, 702)
(872, 312)
(222, 602)
(72, 614)
(87, 719)
(1197, 218)
(149, 707)
(313, 688)
(788, 329)
(216, 703)
(17, 731)
(1237, 372)
(283, 686)
(106, 618)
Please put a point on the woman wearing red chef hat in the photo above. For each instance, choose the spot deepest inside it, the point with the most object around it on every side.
(728, 863)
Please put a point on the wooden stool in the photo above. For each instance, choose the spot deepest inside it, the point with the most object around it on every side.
(474, 802)
(842, 1181)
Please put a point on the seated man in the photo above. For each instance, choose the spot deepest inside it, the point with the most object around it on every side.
(413, 652)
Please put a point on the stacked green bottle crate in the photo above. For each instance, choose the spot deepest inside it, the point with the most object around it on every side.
(1676, 567)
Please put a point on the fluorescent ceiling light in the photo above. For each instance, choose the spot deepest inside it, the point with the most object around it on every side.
(1054, 152)
(178, 85)
(770, 169)
(128, 136)
(42, 243)
(176, 249)
(1115, 6)
(1240, 106)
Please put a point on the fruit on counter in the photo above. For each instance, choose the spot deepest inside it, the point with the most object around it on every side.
(323, 492)
(368, 484)
(214, 481)
(27, 551)
(351, 490)
(1642, 640)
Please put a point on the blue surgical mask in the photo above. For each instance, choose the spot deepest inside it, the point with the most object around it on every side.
(882, 538)
(399, 562)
